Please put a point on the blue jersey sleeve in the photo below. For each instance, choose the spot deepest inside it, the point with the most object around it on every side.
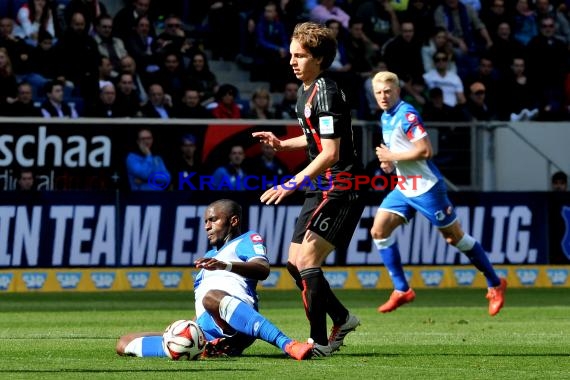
(411, 122)
(251, 247)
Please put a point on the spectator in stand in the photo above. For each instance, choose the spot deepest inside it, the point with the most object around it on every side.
(17, 49)
(139, 45)
(260, 105)
(109, 46)
(524, 22)
(403, 55)
(420, 13)
(26, 180)
(476, 108)
(43, 63)
(8, 82)
(543, 9)
(35, 16)
(227, 106)
(487, 75)
(24, 104)
(340, 69)
(467, 33)
(379, 20)
(271, 57)
(78, 58)
(187, 162)
(559, 181)
(449, 82)
(126, 19)
(190, 106)
(104, 71)
(90, 9)
(173, 40)
(361, 54)
(438, 41)
(327, 10)
(286, 109)
(223, 15)
(504, 49)
(547, 65)
(159, 104)
(268, 165)
(54, 106)
(129, 66)
(436, 110)
(493, 15)
(202, 78)
(143, 165)
(106, 106)
(520, 101)
(127, 101)
(171, 75)
(231, 176)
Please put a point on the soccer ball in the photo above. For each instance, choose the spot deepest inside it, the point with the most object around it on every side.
(183, 339)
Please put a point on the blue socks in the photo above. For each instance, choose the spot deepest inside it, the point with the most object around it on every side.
(245, 319)
(481, 261)
(392, 261)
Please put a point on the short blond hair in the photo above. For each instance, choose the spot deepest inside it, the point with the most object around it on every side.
(386, 76)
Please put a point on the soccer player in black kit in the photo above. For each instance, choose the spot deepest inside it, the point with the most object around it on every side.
(332, 208)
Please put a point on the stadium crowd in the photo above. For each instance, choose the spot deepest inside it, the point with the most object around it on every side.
(458, 60)
(491, 59)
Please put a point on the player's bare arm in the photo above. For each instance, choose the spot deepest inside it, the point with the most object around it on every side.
(324, 160)
(422, 150)
(269, 138)
(257, 269)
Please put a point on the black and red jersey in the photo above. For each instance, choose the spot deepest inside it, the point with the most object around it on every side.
(324, 113)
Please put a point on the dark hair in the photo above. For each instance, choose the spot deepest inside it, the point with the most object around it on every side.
(229, 207)
(48, 87)
(226, 89)
(560, 176)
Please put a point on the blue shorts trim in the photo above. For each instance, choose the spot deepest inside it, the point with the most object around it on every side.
(433, 204)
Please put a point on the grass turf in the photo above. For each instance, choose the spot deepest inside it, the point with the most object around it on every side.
(444, 334)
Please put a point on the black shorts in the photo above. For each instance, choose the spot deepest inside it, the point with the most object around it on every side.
(333, 218)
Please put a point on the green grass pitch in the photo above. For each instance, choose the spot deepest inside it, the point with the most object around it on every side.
(444, 334)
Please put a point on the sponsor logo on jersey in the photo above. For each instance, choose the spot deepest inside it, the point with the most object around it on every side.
(170, 279)
(259, 249)
(557, 276)
(272, 280)
(527, 276)
(326, 124)
(138, 280)
(336, 279)
(432, 277)
(464, 276)
(256, 238)
(566, 238)
(411, 117)
(34, 280)
(103, 280)
(368, 278)
(5, 280)
(68, 280)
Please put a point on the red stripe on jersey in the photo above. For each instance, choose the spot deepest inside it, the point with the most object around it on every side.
(317, 138)
(415, 131)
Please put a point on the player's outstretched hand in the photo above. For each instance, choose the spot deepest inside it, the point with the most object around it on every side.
(276, 194)
(268, 138)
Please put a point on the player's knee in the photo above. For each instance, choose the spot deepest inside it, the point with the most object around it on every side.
(379, 233)
(211, 300)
